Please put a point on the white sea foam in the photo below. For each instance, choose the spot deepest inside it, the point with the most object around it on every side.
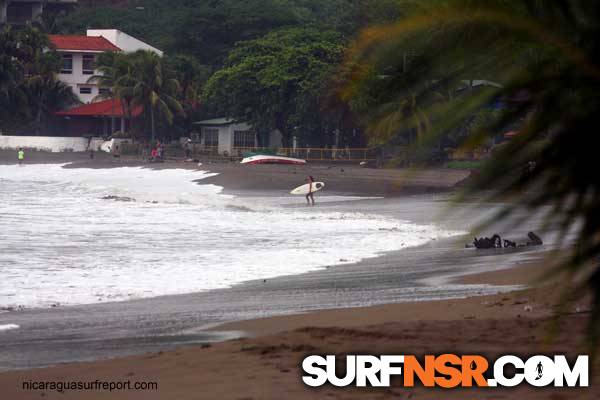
(63, 244)
(8, 327)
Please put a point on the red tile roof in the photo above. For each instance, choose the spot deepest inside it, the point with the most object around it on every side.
(82, 43)
(104, 108)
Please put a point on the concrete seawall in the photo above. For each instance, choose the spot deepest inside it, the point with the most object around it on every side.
(53, 144)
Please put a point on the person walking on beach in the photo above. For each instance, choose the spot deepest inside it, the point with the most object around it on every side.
(310, 196)
(188, 149)
(159, 151)
(21, 155)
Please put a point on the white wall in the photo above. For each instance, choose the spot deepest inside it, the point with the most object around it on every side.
(127, 43)
(77, 79)
(226, 135)
(225, 140)
(57, 144)
(97, 143)
(44, 143)
(275, 139)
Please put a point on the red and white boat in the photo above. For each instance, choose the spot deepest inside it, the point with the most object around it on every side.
(272, 159)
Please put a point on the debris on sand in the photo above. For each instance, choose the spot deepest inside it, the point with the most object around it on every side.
(496, 242)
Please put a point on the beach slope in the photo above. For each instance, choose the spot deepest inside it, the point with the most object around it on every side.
(267, 364)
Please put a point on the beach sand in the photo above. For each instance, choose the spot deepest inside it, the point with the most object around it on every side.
(267, 365)
(349, 179)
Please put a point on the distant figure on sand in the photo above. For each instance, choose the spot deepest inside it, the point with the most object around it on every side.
(188, 149)
(310, 181)
(160, 150)
(21, 156)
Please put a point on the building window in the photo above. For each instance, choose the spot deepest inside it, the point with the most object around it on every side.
(87, 66)
(104, 91)
(17, 13)
(67, 64)
(85, 90)
(211, 137)
(243, 139)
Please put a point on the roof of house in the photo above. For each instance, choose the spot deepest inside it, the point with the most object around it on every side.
(104, 108)
(82, 43)
(216, 121)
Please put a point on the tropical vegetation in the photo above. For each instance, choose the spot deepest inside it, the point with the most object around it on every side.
(544, 58)
(278, 81)
(425, 74)
(29, 89)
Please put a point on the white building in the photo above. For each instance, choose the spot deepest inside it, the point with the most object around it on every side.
(226, 136)
(125, 42)
(79, 54)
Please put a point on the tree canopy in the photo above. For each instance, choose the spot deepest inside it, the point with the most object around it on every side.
(29, 89)
(144, 79)
(276, 81)
(218, 38)
(209, 29)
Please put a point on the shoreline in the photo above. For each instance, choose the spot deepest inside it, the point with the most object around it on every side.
(368, 307)
(518, 275)
(235, 178)
(267, 364)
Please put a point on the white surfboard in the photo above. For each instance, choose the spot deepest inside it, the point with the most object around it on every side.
(304, 189)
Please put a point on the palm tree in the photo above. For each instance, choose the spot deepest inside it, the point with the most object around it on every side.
(123, 89)
(545, 56)
(191, 76)
(111, 66)
(11, 72)
(10, 68)
(154, 88)
(44, 92)
(29, 88)
(46, 95)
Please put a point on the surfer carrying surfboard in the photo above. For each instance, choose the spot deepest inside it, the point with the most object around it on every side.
(310, 181)
(308, 189)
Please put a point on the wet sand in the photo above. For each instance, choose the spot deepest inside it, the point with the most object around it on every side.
(349, 179)
(267, 366)
(367, 307)
(107, 330)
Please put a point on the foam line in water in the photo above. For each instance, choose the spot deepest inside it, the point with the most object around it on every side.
(64, 244)
(8, 327)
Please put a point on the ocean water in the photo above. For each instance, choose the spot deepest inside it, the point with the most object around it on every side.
(62, 242)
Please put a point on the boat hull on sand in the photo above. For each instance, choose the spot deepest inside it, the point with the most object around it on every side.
(271, 159)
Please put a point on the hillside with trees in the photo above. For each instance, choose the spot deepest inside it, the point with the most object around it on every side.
(209, 29)
(228, 40)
